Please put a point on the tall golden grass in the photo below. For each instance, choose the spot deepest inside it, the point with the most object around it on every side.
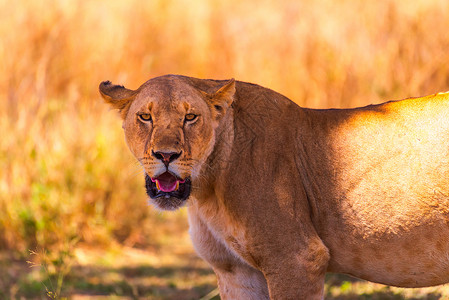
(65, 172)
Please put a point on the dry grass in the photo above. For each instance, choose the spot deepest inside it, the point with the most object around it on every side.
(65, 173)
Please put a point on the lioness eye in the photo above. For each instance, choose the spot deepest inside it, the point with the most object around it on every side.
(190, 117)
(145, 117)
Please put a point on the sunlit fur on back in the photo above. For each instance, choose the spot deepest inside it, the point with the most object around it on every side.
(278, 195)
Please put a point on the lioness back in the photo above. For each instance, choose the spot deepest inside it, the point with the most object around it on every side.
(384, 197)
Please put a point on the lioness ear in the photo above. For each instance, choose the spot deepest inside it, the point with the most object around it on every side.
(222, 99)
(118, 96)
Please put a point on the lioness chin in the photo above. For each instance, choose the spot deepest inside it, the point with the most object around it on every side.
(278, 195)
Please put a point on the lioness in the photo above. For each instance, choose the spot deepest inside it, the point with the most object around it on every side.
(278, 195)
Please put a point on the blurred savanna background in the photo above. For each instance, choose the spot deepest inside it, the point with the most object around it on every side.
(74, 219)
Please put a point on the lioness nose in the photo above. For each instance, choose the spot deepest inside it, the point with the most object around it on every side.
(166, 157)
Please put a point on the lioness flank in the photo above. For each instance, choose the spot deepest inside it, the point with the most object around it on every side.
(278, 195)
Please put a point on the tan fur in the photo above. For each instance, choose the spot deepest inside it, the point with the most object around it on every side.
(282, 194)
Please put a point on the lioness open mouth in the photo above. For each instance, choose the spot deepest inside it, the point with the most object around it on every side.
(167, 185)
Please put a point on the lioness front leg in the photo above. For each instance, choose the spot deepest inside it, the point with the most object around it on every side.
(241, 282)
(297, 274)
(236, 279)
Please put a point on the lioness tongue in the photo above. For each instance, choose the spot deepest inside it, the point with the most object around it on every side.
(166, 182)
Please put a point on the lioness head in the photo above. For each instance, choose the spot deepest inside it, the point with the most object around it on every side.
(170, 125)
